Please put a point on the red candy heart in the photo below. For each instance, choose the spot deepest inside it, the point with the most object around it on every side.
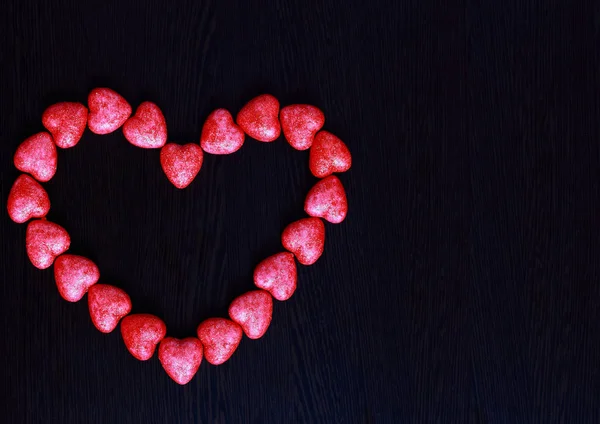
(147, 128)
(74, 275)
(259, 118)
(141, 333)
(220, 135)
(37, 156)
(328, 154)
(180, 358)
(27, 199)
(45, 241)
(300, 123)
(305, 238)
(327, 199)
(253, 312)
(220, 338)
(181, 163)
(108, 110)
(277, 274)
(66, 122)
(107, 305)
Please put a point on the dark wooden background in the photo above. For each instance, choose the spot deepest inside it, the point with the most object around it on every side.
(463, 286)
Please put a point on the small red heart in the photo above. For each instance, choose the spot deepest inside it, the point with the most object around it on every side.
(147, 128)
(220, 338)
(107, 305)
(66, 122)
(220, 135)
(108, 110)
(327, 199)
(45, 241)
(253, 312)
(259, 118)
(141, 333)
(27, 199)
(74, 275)
(328, 154)
(277, 274)
(180, 358)
(181, 163)
(305, 238)
(37, 156)
(300, 123)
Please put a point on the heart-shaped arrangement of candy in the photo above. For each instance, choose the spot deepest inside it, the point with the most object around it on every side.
(274, 277)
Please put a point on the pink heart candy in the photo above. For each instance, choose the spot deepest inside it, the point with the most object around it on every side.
(300, 123)
(305, 238)
(66, 122)
(37, 156)
(328, 154)
(181, 164)
(107, 305)
(27, 199)
(108, 110)
(277, 274)
(220, 338)
(147, 128)
(74, 275)
(259, 118)
(45, 241)
(141, 333)
(220, 135)
(180, 358)
(327, 199)
(253, 312)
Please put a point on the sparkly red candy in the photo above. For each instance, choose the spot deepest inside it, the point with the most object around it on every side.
(45, 241)
(74, 275)
(66, 122)
(327, 200)
(108, 110)
(147, 128)
(141, 333)
(107, 305)
(253, 312)
(181, 164)
(300, 123)
(220, 135)
(277, 274)
(180, 358)
(259, 118)
(27, 199)
(305, 238)
(220, 338)
(328, 155)
(37, 156)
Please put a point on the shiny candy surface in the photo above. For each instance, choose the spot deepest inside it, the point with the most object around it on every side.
(259, 118)
(37, 156)
(27, 199)
(108, 110)
(220, 338)
(180, 358)
(328, 155)
(253, 312)
(181, 164)
(278, 275)
(147, 128)
(66, 121)
(45, 240)
(74, 275)
(220, 135)
(107, 305)
(300, 123)
(305, 238)
(141, 333)
(327, 200)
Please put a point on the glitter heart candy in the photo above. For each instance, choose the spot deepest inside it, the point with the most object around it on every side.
(305, 238)
(220, 338)
(74, 275)
(147, 128)
(45, 241)
(181, 164)
(300, 123)
(37, 156)
(220, 135)
(107, 305)
(27, 199)
(253, 312)
(108, 110)
(141, 333)
(327, 200)
(277, 274)
(259, 118)
(328, 155)
(66, 122)
(180, 358)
